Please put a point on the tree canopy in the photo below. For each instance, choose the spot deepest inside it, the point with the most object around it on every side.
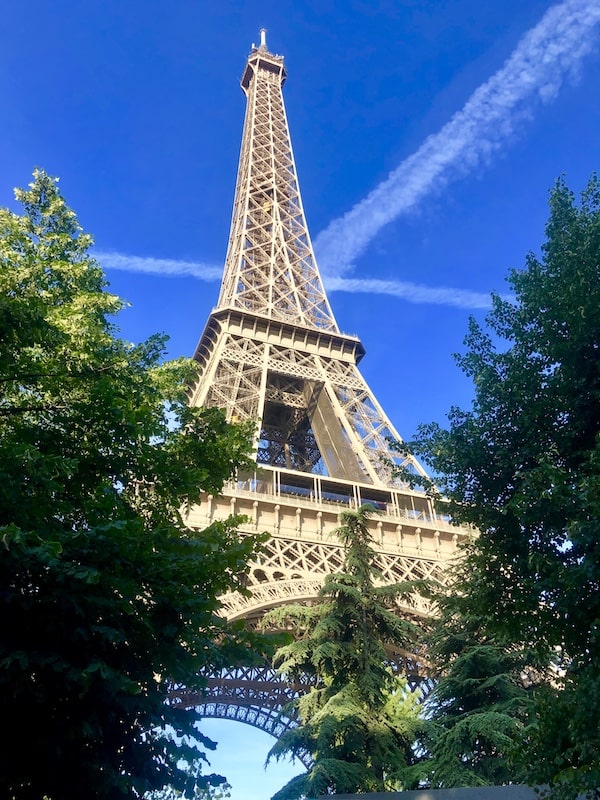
(523, 466)
(358, 721)
(477, 714)
(107, 600)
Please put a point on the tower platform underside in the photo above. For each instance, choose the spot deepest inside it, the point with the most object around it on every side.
(301, 512)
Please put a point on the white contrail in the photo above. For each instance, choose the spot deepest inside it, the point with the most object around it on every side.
(412, 292)
(159, 266)
(547, 55)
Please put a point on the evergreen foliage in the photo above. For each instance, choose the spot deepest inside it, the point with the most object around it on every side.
(523, 466)
(221, 792)
(478, 709)
(107, 600)
(358, 721)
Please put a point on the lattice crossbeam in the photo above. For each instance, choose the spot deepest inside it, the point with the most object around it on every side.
(248, 377)
(270, 267)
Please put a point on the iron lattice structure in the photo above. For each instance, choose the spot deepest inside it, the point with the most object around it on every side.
(272, 352)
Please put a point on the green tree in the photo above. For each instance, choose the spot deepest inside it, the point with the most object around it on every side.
(221, 792)
(107, 600)
(478, 709)
(523, 466)
(358, 721)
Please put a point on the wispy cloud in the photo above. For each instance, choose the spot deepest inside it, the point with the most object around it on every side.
(412, 292)
(159, 266)
(546, 56)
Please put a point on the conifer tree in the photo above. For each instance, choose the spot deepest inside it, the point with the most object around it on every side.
(358, 721)
(477, 713)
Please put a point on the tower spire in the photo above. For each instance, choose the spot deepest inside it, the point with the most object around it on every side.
(270, 268)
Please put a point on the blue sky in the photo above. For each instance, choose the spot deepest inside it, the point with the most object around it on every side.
(426, 135)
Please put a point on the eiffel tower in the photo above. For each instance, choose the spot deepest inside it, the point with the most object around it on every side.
(272, 352)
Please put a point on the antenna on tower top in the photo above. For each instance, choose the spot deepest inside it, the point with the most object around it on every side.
(263, 38)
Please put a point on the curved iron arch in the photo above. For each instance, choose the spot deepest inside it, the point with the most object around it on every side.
(255, 696)
(264, 719)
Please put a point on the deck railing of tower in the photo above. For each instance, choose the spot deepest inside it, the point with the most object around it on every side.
(317, 490)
